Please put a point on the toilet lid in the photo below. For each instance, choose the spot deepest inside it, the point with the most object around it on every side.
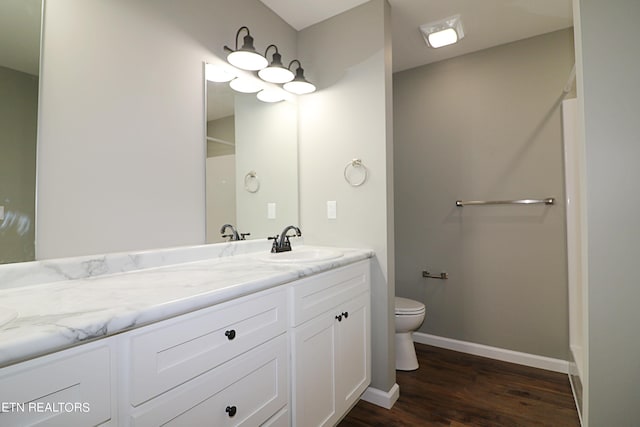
(408, 306)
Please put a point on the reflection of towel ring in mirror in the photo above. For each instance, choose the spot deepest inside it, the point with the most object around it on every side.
(356, 164)
(251, 182)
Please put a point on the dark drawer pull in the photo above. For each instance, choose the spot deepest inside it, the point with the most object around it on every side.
(345, 314)
(339, 317)
(231, 410)
(230, 334)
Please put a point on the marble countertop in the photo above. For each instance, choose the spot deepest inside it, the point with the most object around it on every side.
(59, 315)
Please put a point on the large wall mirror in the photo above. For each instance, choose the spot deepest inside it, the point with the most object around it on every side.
(252, 163)
(20, 24)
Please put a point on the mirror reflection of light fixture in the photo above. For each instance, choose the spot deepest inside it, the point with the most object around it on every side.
(218, 73)
(271, 95)
(245, 85)
(443, 33)
(299, 85)
(275, 72)
(246, 58)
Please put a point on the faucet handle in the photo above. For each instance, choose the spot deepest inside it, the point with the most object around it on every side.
(274, 247)
(244, 235)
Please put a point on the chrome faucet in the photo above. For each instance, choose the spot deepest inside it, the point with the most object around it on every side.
(281, 243)
(234, 233)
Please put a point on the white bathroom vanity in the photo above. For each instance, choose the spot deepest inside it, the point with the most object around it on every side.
(234, 339)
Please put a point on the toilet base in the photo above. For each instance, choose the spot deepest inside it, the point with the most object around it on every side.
(406, 359)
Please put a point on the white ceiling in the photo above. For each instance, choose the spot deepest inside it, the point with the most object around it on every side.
(486, 23)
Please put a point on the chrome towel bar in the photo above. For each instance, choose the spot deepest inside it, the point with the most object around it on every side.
(548, 201)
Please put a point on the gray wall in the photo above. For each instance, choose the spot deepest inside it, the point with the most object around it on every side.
(485, 126)
(348, 57)
(610, 93)
(18, 130)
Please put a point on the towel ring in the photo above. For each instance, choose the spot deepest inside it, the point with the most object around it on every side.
(356, 164)
(251, 182)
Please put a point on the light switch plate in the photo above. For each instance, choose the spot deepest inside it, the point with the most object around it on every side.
(271, 210)
(1, 213)
(332, 211)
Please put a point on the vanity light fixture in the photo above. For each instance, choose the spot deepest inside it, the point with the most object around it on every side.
(275, 72)
(246, 58)
(299, 85)
(443, 33)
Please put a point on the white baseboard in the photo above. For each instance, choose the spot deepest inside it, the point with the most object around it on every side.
(533, 360)
(386, 399)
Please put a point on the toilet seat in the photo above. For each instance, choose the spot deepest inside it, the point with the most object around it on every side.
(408, 307)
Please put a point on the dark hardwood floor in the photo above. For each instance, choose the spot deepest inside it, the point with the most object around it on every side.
(460, 390)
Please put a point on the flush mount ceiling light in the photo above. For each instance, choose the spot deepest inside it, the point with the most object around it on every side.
(218, 73)
(246, 58)
(275, 72)
(299, 85)
(444, 32)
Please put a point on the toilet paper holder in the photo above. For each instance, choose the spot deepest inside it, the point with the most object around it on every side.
(444, 275)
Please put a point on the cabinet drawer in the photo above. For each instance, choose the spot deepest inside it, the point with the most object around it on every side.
(315, 295)
(69, 388)
(252, 387)
(169, 353)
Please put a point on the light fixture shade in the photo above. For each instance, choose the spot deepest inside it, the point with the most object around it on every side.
(245, 85)
(277, 75)
(299, 85)
(443, 33)
(271, 95)
(218, 73)
(276, 72)
(246, 60)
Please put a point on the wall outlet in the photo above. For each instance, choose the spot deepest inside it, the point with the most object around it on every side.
(332, 211)
(271, 210)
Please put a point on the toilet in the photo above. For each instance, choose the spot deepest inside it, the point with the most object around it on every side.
(409, 317)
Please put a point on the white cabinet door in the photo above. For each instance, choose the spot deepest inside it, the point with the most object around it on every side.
(353, 354)
(314, 388)
(332, 363)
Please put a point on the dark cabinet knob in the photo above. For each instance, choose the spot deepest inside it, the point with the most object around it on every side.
(231, 410)
(230, 334)
(345, 314)
(339, 317)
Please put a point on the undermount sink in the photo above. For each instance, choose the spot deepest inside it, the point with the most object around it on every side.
(7, 315)
(301, 255)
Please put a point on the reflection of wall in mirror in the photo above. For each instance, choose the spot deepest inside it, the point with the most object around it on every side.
(220, 175)
(267, 143)
(18, 130)
(221, 195)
